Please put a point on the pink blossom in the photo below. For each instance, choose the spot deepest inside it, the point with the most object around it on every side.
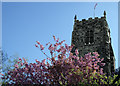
(21, 64)
(93, 59)
(97, 67)
(57, 40)
(24, 60)
(49, 59)
(58, 50)
(8, 72)
(20, 59)
(16, 65)
(51, 52)
(38, 42)
(95, 64)
(47, 43)
(54, 37)
(41, 46)
(70, 48)
(101, 70)
(36, 45)
(102, 64)
(51, 48)
(61, 42)
(43, 61)
(90, 64)
(66, 46)
(1, 74)
(18, 62)
(77, 57)
(37, 61)
(77, 67)
(94, 71)
(96, 54)
(55, 45)
(102, 59)
(76, 52)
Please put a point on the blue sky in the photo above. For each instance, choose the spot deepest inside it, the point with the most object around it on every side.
(24, 23)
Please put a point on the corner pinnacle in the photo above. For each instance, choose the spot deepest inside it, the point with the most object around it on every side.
(104, 13)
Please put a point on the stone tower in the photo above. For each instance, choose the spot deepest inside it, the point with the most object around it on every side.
(93, 35)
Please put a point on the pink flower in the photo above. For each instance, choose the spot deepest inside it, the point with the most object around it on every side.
(38, 42)
(18, 62)
(102, 59)
(8, 72)
(41, 46)
(43, 61)
(102, 64)
(26, 69)
(1, 74)
(49, 59)
(21, 64)
(24, 60)
(61, 42)
(54, 37)
(70, 48)
(51, 52)
(93, 59)
(57, 40)
(77, 57)
(37, 61)
(36, 45)
(58, 50)
(66, 46)
(97, 67)
(51, 48)
(77, 67)
(96, 54)
(47, 43)
(55, 45)
(94, 71)
(20, 59)
(101, 70)
(16, 65)
(76, 52)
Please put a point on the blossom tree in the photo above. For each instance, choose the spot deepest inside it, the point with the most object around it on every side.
(61, 68)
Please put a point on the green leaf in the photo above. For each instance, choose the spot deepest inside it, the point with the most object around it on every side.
(72, 69)
(63, 76)
(70, 73)
(60, 82)
(75, 72)
(91, 77)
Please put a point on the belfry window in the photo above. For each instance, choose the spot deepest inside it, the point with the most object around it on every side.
(89, 37)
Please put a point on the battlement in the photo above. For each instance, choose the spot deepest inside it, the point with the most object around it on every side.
(90, 19)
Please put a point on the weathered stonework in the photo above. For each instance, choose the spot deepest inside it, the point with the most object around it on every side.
(93, 35)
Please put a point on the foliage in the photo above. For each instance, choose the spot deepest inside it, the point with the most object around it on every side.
(62, 68)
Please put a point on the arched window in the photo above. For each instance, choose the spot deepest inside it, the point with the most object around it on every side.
(89, 37)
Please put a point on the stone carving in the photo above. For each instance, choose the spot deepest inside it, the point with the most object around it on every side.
(93, 35)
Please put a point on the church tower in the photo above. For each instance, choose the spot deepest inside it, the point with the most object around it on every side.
(93, 35)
